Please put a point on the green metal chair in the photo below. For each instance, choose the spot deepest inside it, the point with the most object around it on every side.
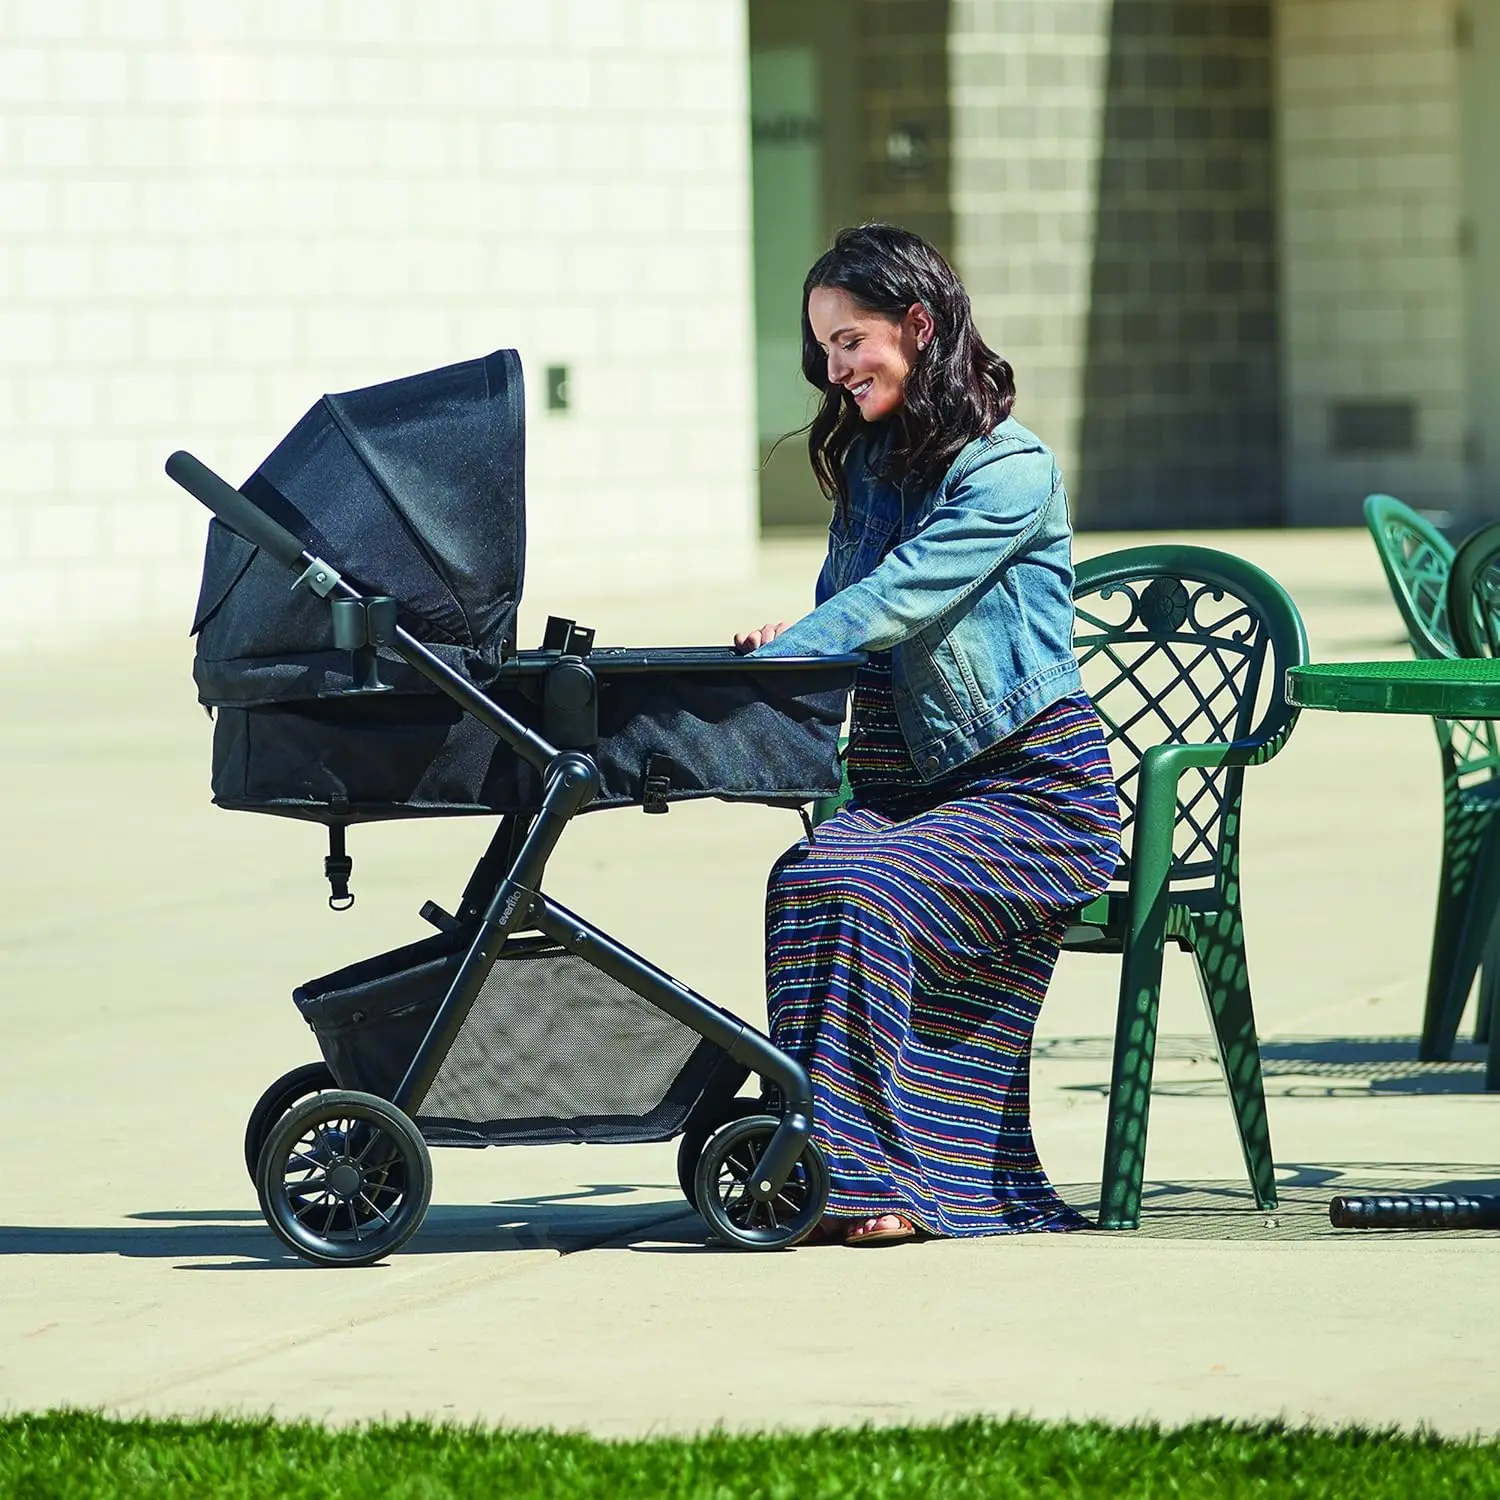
(1184, 652)
(1175, 644)
(1473, 605)
(1418, 562)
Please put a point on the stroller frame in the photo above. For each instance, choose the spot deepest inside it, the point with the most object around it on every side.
(760, 1181)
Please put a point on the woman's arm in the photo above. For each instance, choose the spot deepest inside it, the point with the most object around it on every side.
(990, 515)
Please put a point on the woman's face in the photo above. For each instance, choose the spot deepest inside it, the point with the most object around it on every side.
(869, 354)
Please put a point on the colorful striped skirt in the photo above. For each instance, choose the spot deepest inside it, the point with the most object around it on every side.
(908, 948)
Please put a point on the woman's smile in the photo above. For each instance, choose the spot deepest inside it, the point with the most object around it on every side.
(869, 354)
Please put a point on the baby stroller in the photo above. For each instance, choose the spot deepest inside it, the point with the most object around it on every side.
(388, 684)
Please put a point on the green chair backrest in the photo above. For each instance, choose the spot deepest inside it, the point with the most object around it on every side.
(1418, 561)
(1175, 643)
(1474, 594)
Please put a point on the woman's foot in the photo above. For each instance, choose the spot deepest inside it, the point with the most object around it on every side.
(882, 1229)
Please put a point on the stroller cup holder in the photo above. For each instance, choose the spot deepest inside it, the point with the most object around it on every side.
(519, 1020)
(361, 627)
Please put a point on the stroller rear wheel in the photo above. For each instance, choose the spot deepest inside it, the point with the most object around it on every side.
(722, 1186)
(344, 1179)
(310, 1078)
(696, 1137)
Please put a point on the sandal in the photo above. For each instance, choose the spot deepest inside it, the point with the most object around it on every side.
(902, 1231)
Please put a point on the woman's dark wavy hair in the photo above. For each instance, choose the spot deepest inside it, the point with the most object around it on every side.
(958, 388)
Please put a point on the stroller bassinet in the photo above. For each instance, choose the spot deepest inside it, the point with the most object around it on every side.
(417, 488)
(387, 684)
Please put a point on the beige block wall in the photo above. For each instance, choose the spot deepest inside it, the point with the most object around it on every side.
(211, 213)
(1372, 276)
(1027, 100)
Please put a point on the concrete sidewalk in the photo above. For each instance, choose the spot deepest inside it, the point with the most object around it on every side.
(148, 945)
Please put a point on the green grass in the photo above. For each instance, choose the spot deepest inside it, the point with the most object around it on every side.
(81, 1454)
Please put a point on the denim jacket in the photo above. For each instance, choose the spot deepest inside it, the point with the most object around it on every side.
(974, 597)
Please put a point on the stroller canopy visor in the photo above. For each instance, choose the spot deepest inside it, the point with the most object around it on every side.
(416, 488)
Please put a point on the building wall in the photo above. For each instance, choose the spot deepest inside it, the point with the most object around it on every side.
(1181, 406)
(1026, 119)
(1374, 368)
(1114, 201)
(903, 110)
(210, 214)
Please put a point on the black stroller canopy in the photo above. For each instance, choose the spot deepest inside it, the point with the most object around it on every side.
(417, 487)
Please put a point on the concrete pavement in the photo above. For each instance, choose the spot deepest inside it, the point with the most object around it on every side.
(148, 945)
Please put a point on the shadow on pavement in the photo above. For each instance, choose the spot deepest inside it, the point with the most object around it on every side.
(563, 1223)
(1224, 1210)
(1332, 1067)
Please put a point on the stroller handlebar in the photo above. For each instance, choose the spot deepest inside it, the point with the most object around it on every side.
(234, 510)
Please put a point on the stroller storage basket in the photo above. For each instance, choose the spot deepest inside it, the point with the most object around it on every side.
(553, 1049)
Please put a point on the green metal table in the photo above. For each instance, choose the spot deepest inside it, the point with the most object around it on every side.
(1450, 688)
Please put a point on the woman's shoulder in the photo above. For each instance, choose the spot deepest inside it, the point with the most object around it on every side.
(1007, 439)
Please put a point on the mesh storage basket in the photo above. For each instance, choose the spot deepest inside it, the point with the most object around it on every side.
(553, 1049)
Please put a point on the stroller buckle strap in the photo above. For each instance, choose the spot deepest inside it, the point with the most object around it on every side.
(337, 868)
(657, 784)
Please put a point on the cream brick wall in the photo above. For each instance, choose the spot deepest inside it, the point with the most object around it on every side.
(212, 211)
(1371, 271)
(1027, 106)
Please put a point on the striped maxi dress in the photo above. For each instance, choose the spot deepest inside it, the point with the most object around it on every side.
(908, 948)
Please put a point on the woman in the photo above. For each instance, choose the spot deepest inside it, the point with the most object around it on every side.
(909, 945)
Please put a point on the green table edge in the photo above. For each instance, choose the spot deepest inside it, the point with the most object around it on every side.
(1447, 689)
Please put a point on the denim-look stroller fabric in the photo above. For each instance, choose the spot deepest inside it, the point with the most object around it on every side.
(416, 487)
(908, 951)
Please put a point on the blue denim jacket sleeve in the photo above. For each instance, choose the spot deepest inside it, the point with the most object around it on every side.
(825, 590)
(989, 515)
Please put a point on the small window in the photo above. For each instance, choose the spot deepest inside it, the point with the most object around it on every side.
(1372, 426)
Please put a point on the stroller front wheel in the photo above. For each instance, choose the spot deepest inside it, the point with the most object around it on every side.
(344, 1179)
(697, 1136)
(722, 1188)
(310, 1078)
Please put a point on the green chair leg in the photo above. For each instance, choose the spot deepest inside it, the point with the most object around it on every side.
(1218, 940)
(1466, 948)
(1466, 837)
(1489, 982)
(1130, 1087)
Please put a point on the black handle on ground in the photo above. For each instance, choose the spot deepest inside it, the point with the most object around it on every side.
(234, 510)
(1416, 1211)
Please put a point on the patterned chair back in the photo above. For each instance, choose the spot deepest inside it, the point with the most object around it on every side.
(1418, 563)
(1186, 645)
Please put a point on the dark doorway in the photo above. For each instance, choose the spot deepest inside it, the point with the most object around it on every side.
(849, 123)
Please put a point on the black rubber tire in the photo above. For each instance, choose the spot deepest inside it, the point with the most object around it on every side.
(746, 1222)
(310, 1078)
(696, 1137)
(380, 1195)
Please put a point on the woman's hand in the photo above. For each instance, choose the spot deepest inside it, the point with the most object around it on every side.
(750, 640)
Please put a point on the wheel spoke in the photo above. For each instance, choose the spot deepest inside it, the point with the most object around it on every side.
(376, 1134)
(383, 1217)
(308, 1205)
